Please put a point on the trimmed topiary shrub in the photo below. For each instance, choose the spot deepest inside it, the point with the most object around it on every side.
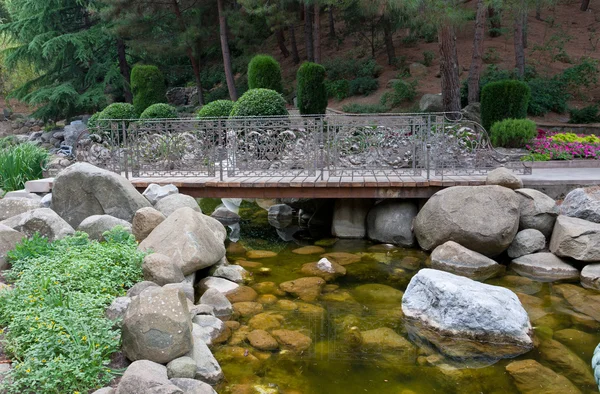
(215, 109)
(159, 111)
(259, 102)
(115, 111)
(504, 100)
(93, 120)
(264, 72)
(312, 93)
(148, 87)
(513, 133)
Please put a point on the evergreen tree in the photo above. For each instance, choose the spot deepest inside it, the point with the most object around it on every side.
(73, 54)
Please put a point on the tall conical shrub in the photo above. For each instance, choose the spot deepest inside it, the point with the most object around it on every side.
(264, 72)
(148, 87)
(312, 93)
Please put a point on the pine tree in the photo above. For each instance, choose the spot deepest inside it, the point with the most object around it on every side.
(73, 54)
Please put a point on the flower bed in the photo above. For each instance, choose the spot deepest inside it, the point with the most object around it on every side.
(563, 146)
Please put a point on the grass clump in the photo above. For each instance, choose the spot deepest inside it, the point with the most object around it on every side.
(55, 330)
(19, 164)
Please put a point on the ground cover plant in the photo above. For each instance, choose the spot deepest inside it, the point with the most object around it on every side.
(563, 146)
(55, 330)
(20, 163)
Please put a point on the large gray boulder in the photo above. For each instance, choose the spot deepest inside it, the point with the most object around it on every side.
(43, 221)
(526, 242)
(576, 238)
(193, 386)
(454, 258)
(9, 238)
(280, 215)
(208, 369)
(83, 190)
(75, 132)
(10, 207)
(391, 222)
(465, 318)
(145, 221)
(504, 177)
(157, 326)
(207, 327)
(349, 217)
(225, 216)
(161, 270)
(538, 211)
(146, 377)
(154, 192)
(172, 203)
(582, 203)
(431, 103)
(192, 240)
(221, 306)
(590, 276)
(484, 219)
(96, 225)
(544, 267)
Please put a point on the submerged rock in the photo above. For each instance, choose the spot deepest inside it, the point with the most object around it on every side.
(307, 289)
(576, 238)
(544, 267)
(342, 258)
(324, 269)
(311, 249)
(531, 377)
(377, 294)
(457, 259)
(292, 340)
(385, 339)
(582, 300)
(262, 340)
(464, 318)
(484, 219)
(561, 359)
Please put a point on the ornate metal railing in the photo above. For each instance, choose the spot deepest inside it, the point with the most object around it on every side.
(332, 145)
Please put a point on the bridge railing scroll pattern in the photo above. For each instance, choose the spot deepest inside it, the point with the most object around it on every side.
(327, 146)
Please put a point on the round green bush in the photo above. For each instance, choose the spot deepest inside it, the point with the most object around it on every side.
(513, 133)
(116, 111)
(260, 102)
(159, 111)
(501, 100)
(216, 109)
(264, 72)
(312, 92)
(148, 87)
(93, 120)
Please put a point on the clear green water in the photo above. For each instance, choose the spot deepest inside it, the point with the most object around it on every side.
(334, 364)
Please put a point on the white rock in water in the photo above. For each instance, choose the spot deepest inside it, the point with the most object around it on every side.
(325, 266)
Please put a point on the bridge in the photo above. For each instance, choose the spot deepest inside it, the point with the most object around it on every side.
(333, 156)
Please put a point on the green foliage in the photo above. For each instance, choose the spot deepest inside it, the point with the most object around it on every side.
(115, 111)
(547, 95)
(356, 108)
(259, 102)
(339, 89)
(572, 137)
(93, 120)
(311, 93)
(148, 87)
(582, 75)
(587, 114)
(21, 163)
(363, 86)
(349, 69)
(428, 57)
(159, 111)
(536, 157)
(264, 72)
(402, 91)
(71, 54)
(513, 133)
(216, 109)
(56, 332)
(504, 100)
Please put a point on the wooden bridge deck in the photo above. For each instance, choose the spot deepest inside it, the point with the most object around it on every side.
(347, 187)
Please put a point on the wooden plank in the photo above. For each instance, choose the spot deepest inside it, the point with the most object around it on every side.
(370, 181)
(333, 181)
(297, 181)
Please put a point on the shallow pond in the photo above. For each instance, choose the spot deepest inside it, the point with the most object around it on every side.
(340, 360)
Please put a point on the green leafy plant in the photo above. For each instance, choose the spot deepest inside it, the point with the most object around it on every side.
(513, 133)
(311, 93)
(504, 100)
(587, 114)
(21, 163)
(55, 329)
(113, 118)
(339, 89)
(159, 111)
(148, 87)
(356, 108)
(536, 157)
(363, 86)
(428, 57)
(215, 109)
(259, 102)
(348, 68)
(491, 56)
(547, 95)
(93, 120)
(264, 72)
(402, 91)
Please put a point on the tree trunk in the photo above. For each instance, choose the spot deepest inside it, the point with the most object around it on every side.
(525, 28)
(225, 49)
(317, 33)
(308, 32)
(389, 42)
(198, 79)
(373, 33)
(475, 70)
(495, 22)
(518, 40)
(281, 43)
(331, 23)
(295, 55)
(585, 4)
(449, 69)
(125, 70)
(538, 10)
